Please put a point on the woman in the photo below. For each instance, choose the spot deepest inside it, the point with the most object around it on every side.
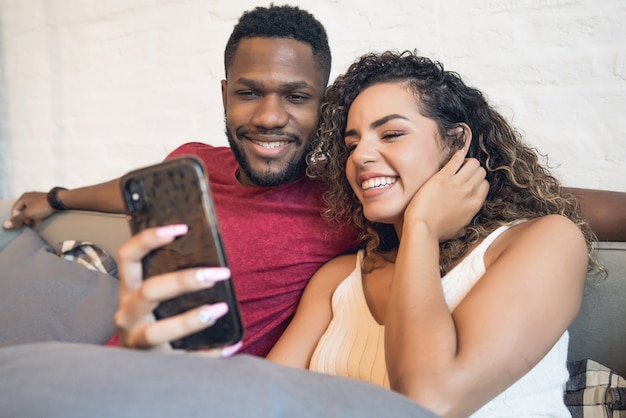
(464, 312)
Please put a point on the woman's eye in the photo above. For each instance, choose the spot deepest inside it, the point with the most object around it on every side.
(392, 135)
(351, 147)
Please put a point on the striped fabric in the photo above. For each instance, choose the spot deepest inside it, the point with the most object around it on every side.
(595, 391)
(87, 254)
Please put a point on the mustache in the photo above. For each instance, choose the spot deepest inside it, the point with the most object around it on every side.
(242, 132)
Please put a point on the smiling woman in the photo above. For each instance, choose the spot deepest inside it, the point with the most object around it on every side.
(396, 132)
(459, 226)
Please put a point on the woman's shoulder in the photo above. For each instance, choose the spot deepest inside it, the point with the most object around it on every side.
(556, 226)
(342, 264)
(335, 271)
(554, 233)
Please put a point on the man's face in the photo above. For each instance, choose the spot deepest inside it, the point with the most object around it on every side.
(271, 99)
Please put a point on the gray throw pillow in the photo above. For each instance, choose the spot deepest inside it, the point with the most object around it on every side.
(68, 380)
(46, 298)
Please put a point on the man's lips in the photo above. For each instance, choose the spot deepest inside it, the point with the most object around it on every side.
(270, 144)
(269, 140)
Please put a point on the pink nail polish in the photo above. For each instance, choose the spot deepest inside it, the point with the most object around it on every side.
(212, 274)
(213, 312)
(169, 231)
(231, 349)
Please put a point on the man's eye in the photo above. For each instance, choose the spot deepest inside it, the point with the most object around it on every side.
(297, 97)
(246, 94)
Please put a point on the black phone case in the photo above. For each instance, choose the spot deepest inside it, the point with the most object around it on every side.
(177, 191)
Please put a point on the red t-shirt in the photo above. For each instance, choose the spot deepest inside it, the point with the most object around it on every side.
(275, 239)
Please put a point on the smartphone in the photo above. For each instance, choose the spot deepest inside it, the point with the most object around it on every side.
(177, 191)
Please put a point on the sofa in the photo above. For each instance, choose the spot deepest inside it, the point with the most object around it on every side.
(598, 333)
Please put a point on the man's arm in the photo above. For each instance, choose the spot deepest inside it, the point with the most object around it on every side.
(33, 206)
(604, 210)
(103, 197)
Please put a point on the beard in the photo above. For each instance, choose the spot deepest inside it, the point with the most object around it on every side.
(292, 168)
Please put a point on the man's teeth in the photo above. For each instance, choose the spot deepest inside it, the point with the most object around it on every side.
(270, 145)
(378, 182)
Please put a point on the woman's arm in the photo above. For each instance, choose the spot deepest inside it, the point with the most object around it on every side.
(297, 344)
(453, 363)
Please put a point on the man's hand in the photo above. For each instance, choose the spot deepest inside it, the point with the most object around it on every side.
(27, 209)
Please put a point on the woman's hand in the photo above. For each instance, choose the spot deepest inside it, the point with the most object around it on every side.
(448, 201)
(136, 324)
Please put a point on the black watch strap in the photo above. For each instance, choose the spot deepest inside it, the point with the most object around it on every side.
(54, 200)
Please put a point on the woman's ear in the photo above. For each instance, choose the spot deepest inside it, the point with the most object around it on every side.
(467, 136)
(463, 136)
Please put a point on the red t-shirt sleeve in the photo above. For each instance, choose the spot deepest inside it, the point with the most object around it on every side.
(114, 341)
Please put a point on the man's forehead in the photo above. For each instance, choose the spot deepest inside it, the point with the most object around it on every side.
(282, 60)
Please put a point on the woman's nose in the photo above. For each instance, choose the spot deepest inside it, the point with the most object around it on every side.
(365, 152)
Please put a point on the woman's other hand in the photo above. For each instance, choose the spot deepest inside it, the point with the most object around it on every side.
(138, 298)
(448, 201)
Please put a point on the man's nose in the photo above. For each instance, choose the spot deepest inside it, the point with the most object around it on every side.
(270, 113)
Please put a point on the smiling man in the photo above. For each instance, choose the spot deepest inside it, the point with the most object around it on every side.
(270, 120)
(277, 64)
(269, 211)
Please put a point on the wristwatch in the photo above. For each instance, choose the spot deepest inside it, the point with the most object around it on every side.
(54, 200)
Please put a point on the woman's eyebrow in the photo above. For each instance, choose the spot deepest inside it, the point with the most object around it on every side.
(377, 123)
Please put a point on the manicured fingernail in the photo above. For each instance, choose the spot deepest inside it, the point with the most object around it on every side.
(213, 312)
(170, 231)
(212, 274)
(7, 224)
(231, 349)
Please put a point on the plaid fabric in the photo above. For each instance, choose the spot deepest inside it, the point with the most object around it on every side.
(88, 255)
(594, 391)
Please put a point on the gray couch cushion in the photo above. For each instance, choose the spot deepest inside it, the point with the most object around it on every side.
(107, 230)
(47, 298)
(599, 330)
(76, 380)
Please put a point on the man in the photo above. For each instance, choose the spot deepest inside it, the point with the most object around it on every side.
(277, 63)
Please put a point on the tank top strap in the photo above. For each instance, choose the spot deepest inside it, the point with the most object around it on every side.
(499, 231)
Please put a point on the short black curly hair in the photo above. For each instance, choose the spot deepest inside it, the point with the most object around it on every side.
(281, 22)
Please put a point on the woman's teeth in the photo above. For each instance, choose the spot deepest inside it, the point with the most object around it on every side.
(378, 182)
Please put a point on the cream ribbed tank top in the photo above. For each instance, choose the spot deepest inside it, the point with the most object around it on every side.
(353, 345)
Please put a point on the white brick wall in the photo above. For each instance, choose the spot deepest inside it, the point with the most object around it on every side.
(90, 89)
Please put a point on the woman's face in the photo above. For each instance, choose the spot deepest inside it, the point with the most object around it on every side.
(394, 150)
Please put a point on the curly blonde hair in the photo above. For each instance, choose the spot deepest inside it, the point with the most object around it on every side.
(520, 187)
